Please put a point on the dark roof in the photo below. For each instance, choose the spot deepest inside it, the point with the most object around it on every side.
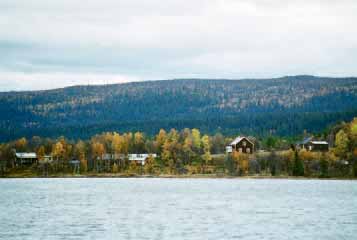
(238, 139)
(311, 139)
(319, 142)
(26, 155)
(305, 140)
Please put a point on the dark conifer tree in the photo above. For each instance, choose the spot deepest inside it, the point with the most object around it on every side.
(229, 164)
(323, 166)
(298, 168)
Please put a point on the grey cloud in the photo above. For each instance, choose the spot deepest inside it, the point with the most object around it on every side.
(138, 39)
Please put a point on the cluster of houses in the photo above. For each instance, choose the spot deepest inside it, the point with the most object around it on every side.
(239, 144)
(245, 145)
(313, 145)
(29, 158)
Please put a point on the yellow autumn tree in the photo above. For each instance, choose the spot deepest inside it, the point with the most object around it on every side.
(117, 143)
(58, 153)
(342, 141)
(41, 153)
(196, 139)
(160, 140)
(80, 150)
(207, 158)
(139, 142)
(242, 162)
(166, 155)
(21, 144)
(149, 165)
(98, 151)
(187, 149)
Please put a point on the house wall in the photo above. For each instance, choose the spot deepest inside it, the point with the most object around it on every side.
(244, 146)
(26, 161)
(317, 147)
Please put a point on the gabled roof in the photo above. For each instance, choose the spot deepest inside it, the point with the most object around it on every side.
(140, 156)
(310, 140)
(305, 140)
(319, 142)
(26, 155)
(238, 139)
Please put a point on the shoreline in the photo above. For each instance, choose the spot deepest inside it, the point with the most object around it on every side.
(173, 176)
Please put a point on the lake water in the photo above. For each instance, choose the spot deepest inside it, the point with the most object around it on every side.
(177, 209)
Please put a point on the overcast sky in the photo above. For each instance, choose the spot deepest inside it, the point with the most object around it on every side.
(47, 44)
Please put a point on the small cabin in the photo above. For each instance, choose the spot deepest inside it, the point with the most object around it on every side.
(140, 158)
(107, 157)
(26, 158)
(241, 144)
(46, 159)
(313, 145)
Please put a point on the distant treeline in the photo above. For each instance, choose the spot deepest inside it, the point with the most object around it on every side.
(259, 125)
(185, 152)
(284, 107)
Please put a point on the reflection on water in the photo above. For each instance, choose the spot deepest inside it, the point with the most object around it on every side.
(177, 209)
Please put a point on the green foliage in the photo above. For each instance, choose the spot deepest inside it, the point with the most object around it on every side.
(341, 144)
(273, 163)
(133, 168)
(324, 167)
(298, 168)
(230, 164)
(271, 142)
(354, 162)
(206, 144)
(354, 167)
(196, 139)
(353, 127)
(115, 168)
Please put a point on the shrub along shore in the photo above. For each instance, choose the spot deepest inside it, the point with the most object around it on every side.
(22, 174)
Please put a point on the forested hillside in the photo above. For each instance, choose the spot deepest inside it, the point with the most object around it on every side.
(284, 106)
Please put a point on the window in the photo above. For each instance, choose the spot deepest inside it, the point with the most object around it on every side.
(240, 150)
(248, 150)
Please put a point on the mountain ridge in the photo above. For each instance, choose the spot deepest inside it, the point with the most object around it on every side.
(291, 77)
(285, 105)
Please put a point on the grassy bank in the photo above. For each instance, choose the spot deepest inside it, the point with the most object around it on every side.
(27, 174)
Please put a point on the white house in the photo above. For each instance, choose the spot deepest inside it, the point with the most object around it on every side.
(140, 157)
(229, 149)
(26, 158)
